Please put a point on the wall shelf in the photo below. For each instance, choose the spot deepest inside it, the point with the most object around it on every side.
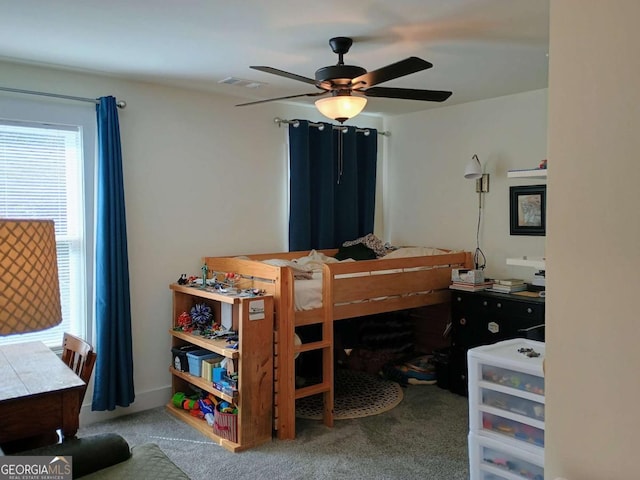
(535, 262)
(528, 173)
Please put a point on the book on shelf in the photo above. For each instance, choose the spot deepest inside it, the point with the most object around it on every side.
(470, 287)
(208, 365)
(508, 288)
(510, 281)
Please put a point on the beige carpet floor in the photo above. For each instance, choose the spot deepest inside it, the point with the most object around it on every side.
(423, 438)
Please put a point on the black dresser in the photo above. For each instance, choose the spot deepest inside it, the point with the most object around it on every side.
(482, 318)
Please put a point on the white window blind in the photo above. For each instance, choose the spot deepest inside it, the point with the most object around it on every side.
(41, 176)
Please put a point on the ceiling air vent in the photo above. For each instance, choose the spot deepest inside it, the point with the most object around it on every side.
(241, 82)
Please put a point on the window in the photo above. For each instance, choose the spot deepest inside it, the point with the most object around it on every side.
(43, 175)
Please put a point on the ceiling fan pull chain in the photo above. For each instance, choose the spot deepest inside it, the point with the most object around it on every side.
(340, 153)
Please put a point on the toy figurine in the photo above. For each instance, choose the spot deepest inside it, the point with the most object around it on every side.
(231, 279)
(226, 407)
(205, 269)
(177, 399)
(206, 407)
(184, 322)
(183, 279)
(201, 316)
(180, 400)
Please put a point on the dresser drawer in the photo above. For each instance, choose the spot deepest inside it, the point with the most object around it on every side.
(515, 309)
(469, 325)
(470, 331)
(501, 307)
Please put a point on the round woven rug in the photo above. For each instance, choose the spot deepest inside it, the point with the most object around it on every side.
(357, 394)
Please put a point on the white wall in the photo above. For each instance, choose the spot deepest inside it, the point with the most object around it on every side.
(592, 419)
(428, 201)
(202, 177)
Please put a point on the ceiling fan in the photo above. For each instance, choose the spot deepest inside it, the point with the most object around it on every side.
(346, 86)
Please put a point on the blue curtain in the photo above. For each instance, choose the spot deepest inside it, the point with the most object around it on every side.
(114, 364)
(332, 185)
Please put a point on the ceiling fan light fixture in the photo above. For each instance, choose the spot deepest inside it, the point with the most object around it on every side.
(341, 107)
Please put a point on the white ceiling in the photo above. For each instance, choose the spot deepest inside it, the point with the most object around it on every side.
(479, 48)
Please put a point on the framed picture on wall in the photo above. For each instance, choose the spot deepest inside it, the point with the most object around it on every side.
(527, 210)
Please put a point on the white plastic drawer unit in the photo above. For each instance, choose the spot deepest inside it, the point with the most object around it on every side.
(506, 393)
(493, 460)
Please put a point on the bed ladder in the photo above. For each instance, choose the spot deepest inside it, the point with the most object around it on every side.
(325, 386)
(285, 391)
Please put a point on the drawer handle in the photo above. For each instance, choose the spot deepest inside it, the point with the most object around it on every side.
(459, 299)
(463, 321)
(499, 305)
(485, 303)
(529, 310)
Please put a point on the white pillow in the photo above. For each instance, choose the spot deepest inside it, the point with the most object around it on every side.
(299, 271)
(315, 260)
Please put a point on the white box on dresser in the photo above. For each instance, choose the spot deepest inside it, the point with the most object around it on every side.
(506, 410)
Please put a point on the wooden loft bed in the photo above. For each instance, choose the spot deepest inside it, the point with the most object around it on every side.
(349, 290)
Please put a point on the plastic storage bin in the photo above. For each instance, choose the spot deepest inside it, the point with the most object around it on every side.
(195, 360)
(180, 361)
(225, 425)
(507, 407)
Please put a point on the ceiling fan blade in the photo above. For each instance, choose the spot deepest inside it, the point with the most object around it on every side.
(315, 94)
(282, 73)
(408, 94)
(395, 70)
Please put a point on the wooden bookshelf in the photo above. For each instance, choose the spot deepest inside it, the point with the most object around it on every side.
(253, 360)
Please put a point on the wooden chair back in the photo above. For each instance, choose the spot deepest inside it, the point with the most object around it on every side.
(78, 354)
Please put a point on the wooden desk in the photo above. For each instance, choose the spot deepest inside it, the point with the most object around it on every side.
(38, 392)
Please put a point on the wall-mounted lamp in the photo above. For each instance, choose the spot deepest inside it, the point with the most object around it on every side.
(474, 172)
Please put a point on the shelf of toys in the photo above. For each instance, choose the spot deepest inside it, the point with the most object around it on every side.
(222, 376)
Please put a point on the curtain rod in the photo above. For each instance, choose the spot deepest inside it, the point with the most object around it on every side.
(120, 104)
(278, 121)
